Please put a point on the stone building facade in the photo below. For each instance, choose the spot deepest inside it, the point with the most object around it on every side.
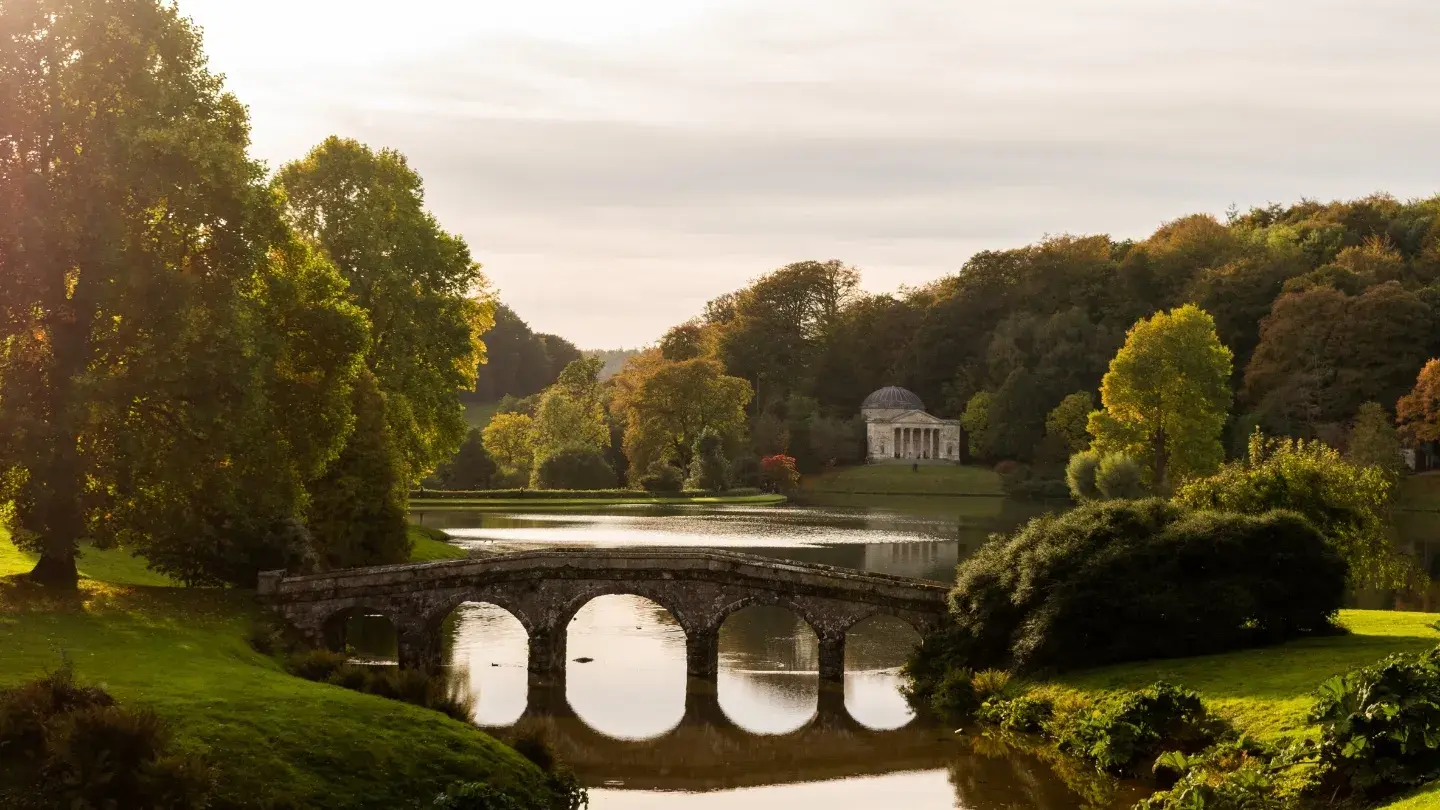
(899, 431)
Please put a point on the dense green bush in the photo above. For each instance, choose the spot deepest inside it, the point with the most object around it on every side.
(1119, 478)
(1130, 580)
(1024, 714)
(665, 478)
(1080, 476)
(580, 468)
(709, 470)
(475, 796)
(1127, 731)
(67, 745)
(1380, 726)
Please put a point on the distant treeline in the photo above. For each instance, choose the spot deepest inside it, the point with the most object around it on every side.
(519, 362)
(1326, 306)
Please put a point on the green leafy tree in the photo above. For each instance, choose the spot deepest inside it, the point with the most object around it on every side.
(575, 468)
(152, 392)
(709, 470)
(976, 421)
(509, 439)
(1119, 478)
(427, 300)
(1080, 476)
(358, 514)
(1016, 417)
(1346, 502)
(667, 406)
(1066, 423)
(1373, 441)
(1166, 397)
(472, 467)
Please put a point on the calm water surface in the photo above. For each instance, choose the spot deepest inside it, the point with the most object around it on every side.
(764, 734)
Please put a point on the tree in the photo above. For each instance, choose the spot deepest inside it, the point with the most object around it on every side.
(358, 514)
(976, 421)
(472, 467)
(1166, 397)
(518, 361)
(575, 468)
(1016, 417)
(709, 469)
(427, 300)
(667, 406)
(1323, 353)
(1067, 421)
(143, 367)
(1419, 411)
(1119, 478)
(1373, 441)
(1347, 503)
(509, 440)
(1080, 476)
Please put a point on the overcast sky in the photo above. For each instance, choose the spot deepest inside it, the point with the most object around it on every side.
(616, 164)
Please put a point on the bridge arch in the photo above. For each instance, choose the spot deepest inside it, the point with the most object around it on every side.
(762, 599)
(497, 597)
(645, 590)
(383, 641)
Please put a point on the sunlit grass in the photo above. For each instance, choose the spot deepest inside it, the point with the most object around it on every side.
(1267, 692)
(563, 504)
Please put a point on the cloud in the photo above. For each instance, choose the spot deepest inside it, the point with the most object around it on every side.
(612, 183)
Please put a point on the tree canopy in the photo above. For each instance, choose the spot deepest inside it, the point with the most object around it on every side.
(1166, 396)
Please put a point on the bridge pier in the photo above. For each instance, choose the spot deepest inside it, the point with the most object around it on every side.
(702, 705)
(419, 645)
(832, 658)
(548, 650)
(702, 653)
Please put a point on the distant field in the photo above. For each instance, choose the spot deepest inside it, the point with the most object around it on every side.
(900, 479)
(479, 414)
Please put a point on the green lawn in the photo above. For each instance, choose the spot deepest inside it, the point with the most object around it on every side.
(428, 547)
(546, 504)
(900, 479)
(1267, 692)
(276, 740)
(479, 414)
(1427, 798)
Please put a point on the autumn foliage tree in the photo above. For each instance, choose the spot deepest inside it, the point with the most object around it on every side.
(1419, 411)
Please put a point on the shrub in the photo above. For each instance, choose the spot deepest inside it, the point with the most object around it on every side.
(709, 470)
(1080, 476)
(1249, 787)
(954, 698)
(580, 468)
(779, 473)
(315, 665)
(990, 683)
(1129, 730)
(475, 796)
(1118, 477)
(663, 477)
(1023, 714)
(746, 473)
(1130, 580)
(1380, 726)
(66, 745)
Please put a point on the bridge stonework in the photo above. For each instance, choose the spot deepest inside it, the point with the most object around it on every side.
(545, 589)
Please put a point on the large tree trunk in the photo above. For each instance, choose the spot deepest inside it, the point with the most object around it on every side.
(56, 567)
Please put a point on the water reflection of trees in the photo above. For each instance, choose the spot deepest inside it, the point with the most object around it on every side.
(1006, 771)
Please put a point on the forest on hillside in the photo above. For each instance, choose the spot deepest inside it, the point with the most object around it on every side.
(1326, 306)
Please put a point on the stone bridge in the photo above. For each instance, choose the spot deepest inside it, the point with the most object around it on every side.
(545, 589)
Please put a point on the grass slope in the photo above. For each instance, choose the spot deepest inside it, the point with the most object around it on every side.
(429, 546)
(276, 740)
(900, 479)
(1267, 692)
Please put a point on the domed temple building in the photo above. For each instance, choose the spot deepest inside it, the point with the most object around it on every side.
(897, 429)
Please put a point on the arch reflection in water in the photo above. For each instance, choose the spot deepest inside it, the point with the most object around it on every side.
(768, 682)
(875, 650)
(490, 644)
(633, 686)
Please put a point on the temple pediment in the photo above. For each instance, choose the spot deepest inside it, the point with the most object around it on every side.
(914, 418)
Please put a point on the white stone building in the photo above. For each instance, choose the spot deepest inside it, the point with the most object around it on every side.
(898, 430)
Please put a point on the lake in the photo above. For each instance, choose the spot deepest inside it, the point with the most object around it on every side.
(765, 734)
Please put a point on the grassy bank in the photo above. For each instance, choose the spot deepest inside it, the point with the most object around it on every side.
(1267, 693)
(547, 504)
(276, 740)
(900, 479)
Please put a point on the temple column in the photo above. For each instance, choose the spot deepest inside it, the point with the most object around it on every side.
(895, 448)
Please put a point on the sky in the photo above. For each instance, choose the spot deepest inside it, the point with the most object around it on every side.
(614, 165)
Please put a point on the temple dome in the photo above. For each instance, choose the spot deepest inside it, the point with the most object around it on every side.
(893, 398)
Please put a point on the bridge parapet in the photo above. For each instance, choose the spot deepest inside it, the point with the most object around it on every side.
(545, 589)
